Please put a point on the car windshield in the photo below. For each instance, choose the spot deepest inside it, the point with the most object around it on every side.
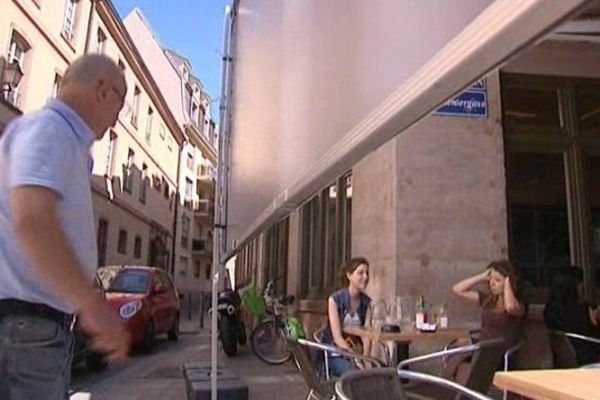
(130, 282)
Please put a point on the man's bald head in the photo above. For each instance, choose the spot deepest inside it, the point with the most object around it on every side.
(89, 68)
(95, 87)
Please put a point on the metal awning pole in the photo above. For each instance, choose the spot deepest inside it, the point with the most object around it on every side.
(220, 244)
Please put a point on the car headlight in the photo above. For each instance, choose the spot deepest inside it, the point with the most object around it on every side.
(129, 309)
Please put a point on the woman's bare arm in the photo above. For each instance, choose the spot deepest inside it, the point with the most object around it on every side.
(336, 325)
(464, 290)
(511, 304)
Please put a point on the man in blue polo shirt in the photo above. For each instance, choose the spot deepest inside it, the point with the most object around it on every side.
(48, 251)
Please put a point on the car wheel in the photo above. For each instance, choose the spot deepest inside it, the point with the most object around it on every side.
(173, 333)
(95, 362)
(149, 337)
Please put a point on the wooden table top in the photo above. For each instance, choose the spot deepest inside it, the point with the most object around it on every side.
(563, 384)
(407, 336)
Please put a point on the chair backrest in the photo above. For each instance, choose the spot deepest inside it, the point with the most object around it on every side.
(484, 364)
(563, 353)
(304, 364)
(375, 383)
(319, 334)
(385, 384)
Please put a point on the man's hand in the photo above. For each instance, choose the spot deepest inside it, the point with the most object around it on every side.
(106, 331)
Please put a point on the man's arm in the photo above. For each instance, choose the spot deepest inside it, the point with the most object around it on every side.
(44, 243)
(39, 232)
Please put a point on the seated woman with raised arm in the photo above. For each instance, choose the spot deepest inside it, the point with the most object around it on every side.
(502, 313)
(348, 307)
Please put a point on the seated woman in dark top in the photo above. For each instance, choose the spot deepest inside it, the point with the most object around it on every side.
(502, 313)
(348, 307)
(564, 312)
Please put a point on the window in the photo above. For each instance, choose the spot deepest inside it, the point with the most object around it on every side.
(121, 65)
(162, 132)
(137, 247)
(246, 264)
(167, 189)
(183, 265)
(189, 189)
(326, 230)
(135, 109)
(185, 231)
(190, 162)
(128, 173)
(194, 113)
(56, 85)
(122, 243)
(144, 183)
(170, 143)
(110, 155)
(16, 54)
(197, 270)
(69, 20)
(207, 272)
(102, 239)
(552, 135)
(149, 125)
(201, 116)
(276, 255)
(100, 42)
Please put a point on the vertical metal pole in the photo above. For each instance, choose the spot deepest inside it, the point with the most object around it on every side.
(219, 245)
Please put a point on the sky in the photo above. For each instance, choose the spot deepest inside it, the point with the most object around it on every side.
(193, 28)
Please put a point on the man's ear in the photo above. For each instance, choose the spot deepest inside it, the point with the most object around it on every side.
(101, 90)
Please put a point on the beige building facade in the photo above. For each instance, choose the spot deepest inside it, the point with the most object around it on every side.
(191, 106)
(136, 164)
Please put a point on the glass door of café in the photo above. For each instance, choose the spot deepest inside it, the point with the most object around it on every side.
(552, 142)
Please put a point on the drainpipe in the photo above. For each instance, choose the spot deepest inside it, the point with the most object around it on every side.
(88, 35)
(220, 236)
(176, 209)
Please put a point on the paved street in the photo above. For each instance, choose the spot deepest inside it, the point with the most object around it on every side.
(158, 375)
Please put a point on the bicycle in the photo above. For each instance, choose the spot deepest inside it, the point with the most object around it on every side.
(268, 339)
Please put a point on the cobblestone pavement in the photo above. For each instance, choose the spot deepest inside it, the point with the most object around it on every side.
(158, 375)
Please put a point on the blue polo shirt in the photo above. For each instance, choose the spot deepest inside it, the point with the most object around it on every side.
(48, 148)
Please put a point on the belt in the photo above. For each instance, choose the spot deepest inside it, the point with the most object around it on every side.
(20, 307)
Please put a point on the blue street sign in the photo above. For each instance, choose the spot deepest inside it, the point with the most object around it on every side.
(470, 103)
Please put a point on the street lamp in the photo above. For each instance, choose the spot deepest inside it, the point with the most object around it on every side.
(10, 76)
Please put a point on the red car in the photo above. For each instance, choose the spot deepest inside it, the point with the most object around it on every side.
(146, 299)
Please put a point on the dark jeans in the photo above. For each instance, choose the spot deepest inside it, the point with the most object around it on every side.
(35, 358)
(339, 366)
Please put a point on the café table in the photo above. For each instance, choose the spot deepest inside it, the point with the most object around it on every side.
(563, 384)
(406, 336)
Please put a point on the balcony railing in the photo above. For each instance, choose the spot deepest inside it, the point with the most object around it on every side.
(202, 247)
(204, 210)
(207, 176)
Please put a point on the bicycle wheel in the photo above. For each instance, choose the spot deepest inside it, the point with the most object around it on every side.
(269, 344)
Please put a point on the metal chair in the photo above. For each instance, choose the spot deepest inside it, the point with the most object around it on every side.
(486, 355)
(563, 353)
(385, 384)
(318, 337)
(320, 389)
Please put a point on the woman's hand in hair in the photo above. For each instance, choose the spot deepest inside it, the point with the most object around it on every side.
(464, 290)
(512, 306)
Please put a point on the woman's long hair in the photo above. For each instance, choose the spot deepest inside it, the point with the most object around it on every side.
(506, 269)
(348, 267)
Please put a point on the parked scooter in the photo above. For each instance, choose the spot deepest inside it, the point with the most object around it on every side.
(232, 330)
